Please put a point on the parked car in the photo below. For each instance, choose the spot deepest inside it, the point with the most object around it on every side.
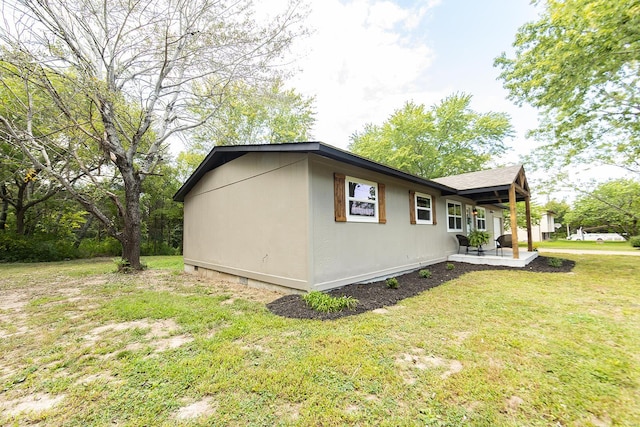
(597, 236)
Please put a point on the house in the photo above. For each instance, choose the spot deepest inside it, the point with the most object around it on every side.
(308, 216)
(542, 231)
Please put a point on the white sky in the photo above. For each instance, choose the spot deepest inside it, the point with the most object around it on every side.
(366, 58)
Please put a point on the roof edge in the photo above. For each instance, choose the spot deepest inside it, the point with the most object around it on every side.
(220, 155)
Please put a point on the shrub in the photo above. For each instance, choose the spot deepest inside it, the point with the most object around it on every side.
(158, 248)
(325, 303)
(107, 247)
(478, 238)
(555, 262)
(635, 241)
(425, 274)
(450, 266)
(19, 248)
(392, 283)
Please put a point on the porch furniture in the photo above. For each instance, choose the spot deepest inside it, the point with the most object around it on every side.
(503, 241)
(462, 241)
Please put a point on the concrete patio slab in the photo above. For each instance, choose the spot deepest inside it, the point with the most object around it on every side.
(489, 257)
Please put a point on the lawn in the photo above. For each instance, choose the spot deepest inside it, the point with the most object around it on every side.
(582, 245)
(81, 345)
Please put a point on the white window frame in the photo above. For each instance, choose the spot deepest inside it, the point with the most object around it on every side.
(461, 216)
(360, 218)
(483, 219)
(418, 208)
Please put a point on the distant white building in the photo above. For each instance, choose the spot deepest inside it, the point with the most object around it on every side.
(543, 230)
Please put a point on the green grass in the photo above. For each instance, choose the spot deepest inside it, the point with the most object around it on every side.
(493, 348)
(582, 245)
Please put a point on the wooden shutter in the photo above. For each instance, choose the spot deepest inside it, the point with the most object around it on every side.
(382, 208)
(433, 209)
(339, 205)
(412, 207)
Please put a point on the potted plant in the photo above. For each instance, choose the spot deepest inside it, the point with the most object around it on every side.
(478, 238)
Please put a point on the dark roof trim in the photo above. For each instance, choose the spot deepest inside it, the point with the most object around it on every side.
(224, 154)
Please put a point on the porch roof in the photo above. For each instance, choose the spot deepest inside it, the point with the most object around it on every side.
(489, 186)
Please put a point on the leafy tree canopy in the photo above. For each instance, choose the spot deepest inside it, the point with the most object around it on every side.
(446, 139)
(256, 114)
(250, 114)
(614, 204)
(132, 72)
(580, 65)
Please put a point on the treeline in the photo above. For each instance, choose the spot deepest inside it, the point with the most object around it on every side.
(41, 223)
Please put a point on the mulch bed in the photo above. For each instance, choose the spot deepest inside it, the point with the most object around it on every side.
(375, 295)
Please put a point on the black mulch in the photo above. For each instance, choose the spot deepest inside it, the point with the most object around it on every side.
(376, 295)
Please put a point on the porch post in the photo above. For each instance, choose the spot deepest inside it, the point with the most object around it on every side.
(529, 239)
(514, 221)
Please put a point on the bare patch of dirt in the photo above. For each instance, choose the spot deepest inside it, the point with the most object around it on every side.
(172, 342)
(377, 296)
(32, 403)
(288, 410)
(201, 408)
(514, 402)
(415, 359)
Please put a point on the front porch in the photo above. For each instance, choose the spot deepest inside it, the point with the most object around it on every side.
(489, 257)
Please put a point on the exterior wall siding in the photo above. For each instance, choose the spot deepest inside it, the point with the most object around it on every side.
(249, 218)
(351, 252)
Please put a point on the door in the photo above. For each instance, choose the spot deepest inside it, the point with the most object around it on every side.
(497, 227)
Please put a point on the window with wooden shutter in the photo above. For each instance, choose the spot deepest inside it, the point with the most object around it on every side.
(358, 200)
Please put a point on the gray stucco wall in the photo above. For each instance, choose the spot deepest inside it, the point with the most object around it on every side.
(349, 252)
(249, 218)
(269, 217)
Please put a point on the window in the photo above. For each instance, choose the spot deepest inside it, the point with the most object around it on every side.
(358, 200)
(481, 219)
(424, 208)
(362, 200)
(454, 216)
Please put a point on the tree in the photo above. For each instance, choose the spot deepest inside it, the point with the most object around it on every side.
(560, 210)
(22, 186)
(447, 139)
(258, 114)
(614, 204)
(580, 65)
(133, 72)
(264, 114)
(521, 215)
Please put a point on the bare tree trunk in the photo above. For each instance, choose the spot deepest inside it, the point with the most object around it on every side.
(83, 231)
(131, 234)
(20, 211)
(5, 207)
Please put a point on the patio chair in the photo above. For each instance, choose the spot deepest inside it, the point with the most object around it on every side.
(462, 241)
(503, 241)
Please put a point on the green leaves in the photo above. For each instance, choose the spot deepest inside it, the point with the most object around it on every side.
(446, 139)
(579, 64)
(614, 205)
(266, 114)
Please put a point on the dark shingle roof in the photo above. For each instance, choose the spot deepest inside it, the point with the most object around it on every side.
(489, 186)
(486, 178)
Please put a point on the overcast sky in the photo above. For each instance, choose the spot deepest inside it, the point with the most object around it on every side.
(366, 58)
